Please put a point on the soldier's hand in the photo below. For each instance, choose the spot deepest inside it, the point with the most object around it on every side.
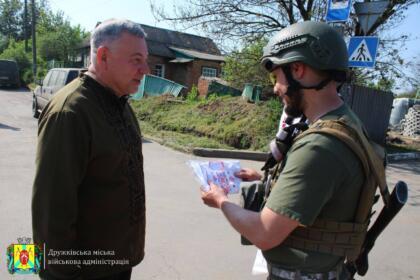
(214, 197)
(248, 174)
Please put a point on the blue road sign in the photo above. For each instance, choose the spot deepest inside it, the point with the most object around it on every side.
(338, 10)
(362, 51)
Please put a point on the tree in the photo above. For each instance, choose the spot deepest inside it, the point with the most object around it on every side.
(244, 66)
(56, 38)
(408, 94)
(10, 19)
(383, 84)
(226, 21)
(4, 42)
(415, 70)
(16, 51)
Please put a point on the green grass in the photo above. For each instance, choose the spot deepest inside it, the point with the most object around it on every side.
(218, 122)
(31, 86)
(179, 141)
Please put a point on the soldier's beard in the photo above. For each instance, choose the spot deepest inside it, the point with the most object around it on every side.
(294, 106)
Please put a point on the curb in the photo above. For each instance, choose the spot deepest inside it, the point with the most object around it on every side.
(259, 156)
(402, 156)
(163, 143)
(220, 153)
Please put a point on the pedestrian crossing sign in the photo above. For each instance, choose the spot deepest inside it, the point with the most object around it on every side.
(362, 51)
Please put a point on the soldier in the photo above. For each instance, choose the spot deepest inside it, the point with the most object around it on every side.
(321, 177)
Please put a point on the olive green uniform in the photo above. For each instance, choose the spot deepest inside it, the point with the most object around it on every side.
(322, 178)
(88, 193)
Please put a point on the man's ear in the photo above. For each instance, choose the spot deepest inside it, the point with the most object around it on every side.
(298, 70)
(102, 56)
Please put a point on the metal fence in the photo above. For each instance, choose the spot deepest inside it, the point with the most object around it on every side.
(372, 106)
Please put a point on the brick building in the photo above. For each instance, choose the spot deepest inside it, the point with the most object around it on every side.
(177, 56)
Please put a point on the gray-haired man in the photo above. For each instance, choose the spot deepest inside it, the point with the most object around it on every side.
(88, 204)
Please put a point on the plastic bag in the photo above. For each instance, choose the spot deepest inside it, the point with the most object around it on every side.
(220, 172)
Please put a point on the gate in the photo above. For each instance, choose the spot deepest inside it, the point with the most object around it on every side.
(372, 106)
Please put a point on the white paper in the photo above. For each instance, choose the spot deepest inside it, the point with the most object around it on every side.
(260, 264)
(220, 172)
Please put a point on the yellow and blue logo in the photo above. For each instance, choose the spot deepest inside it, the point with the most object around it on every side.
(24, 258)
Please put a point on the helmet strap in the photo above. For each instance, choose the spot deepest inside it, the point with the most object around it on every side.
(295, 85)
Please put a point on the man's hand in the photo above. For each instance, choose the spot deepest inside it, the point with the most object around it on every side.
(265, 229)
(248, 174)
(214, 197)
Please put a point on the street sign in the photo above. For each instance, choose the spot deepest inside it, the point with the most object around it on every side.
(338, 10)
(362, 51)
(369, 12)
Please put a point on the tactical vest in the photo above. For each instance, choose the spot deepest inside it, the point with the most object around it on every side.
(344, 239)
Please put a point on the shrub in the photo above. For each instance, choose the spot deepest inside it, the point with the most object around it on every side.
(16, 51)
(192, 96)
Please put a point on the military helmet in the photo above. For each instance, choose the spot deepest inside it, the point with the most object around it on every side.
(314, 43)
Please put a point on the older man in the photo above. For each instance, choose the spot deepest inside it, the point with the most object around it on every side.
(88, 206)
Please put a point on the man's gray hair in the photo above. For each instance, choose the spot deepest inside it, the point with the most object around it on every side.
(110, 30)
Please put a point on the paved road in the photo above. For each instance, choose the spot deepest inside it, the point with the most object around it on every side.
(17, 150)
(185, 240)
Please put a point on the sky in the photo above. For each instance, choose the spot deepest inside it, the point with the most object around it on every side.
(88, 12)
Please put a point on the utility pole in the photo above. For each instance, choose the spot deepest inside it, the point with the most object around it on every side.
(33, 40)
(26, 26)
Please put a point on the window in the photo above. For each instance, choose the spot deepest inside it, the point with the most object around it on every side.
(60, 78)
(159, 70)
(47, 78)
(53, 78)
(208, 72)
(86, 60)
(72, 75)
